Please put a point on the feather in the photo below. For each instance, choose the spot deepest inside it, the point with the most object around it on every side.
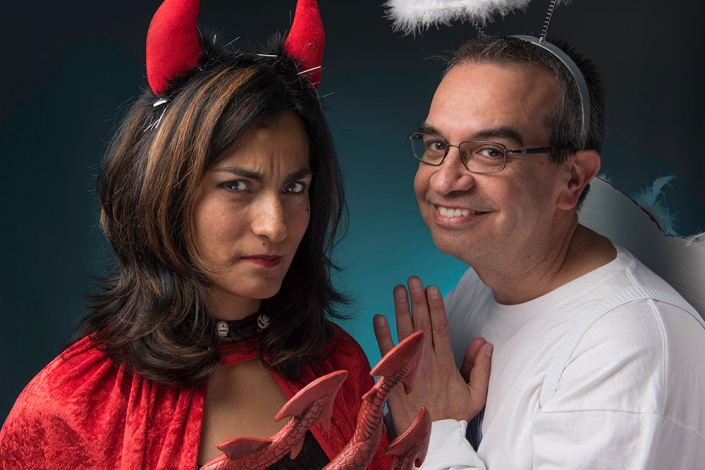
(411, 16)
(648, 199)
(699, 238)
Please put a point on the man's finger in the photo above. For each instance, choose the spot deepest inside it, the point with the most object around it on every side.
(405, 326)
(439, 325)
(480, 377)
(469, 358)
(383, 335)
(419, 310)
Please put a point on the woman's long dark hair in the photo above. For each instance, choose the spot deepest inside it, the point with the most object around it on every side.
(152, 312)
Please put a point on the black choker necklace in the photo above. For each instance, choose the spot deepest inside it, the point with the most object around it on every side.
(240, 330)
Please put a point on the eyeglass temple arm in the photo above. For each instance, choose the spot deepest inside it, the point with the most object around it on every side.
(550, 150)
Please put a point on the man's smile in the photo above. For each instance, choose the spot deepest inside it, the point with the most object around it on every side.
(456, 212)
(455, 216)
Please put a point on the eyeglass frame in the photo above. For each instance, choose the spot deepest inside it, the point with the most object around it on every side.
(537, 150)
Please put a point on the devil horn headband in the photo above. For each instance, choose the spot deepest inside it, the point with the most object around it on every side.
(306, 39)
(174, 44)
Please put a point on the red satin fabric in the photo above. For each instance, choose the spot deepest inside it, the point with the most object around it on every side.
(83, 412)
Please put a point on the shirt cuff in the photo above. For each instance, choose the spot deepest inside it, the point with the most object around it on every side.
(448, 447)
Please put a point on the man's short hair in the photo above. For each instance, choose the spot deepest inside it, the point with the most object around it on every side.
(564, 124)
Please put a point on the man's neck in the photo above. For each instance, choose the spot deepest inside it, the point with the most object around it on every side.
(575, 253)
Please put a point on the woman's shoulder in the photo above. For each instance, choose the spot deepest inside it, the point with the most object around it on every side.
(342, 349)
(85, 402)
(341, 352)
(52, 399)
(75, 375)
(68, 374)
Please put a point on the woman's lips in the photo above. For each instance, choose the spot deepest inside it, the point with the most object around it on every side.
(266, 261)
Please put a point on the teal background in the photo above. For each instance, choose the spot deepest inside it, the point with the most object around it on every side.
(71, 67)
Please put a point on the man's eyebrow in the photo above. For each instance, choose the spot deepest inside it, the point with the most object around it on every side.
(503, 132)
(427, 129)
(486, 134)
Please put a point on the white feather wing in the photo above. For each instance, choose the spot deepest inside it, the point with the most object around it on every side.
(411, 16)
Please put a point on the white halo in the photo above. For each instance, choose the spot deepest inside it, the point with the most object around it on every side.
(411, 16)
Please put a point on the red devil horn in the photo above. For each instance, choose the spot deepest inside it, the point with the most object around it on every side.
(173, 42)
(306, 39)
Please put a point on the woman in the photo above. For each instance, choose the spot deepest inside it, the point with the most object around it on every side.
(221, 196)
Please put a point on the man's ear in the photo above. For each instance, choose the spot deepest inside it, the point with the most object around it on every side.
(583, 167)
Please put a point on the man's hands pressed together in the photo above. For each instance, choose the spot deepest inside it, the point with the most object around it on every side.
(444, 390)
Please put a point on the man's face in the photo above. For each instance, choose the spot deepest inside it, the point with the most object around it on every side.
(503, 217)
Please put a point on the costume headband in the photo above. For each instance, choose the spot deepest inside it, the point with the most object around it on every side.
(413, 16)
(577, 75)
(174, 44)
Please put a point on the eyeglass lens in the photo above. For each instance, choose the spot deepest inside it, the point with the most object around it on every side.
(478, 157)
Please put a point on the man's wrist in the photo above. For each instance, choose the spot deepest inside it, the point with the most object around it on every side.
(448, 446)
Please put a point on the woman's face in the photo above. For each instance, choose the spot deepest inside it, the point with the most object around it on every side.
(249, 215)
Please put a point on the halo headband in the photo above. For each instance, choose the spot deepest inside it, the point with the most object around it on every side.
(577, 75)
(411, 16)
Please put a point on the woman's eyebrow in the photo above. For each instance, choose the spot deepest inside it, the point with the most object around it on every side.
(249, 174)
(259, 177)
(297, 175)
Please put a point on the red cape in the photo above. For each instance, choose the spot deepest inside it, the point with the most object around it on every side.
(81, 411)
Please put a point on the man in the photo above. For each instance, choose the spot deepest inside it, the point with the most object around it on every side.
(572, 386)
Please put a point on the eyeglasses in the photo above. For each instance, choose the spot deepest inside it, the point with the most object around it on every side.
(477, 156)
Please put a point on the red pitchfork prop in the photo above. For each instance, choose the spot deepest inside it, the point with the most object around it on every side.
(314, 403)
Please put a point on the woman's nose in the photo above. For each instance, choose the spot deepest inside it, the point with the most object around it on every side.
(268, 220)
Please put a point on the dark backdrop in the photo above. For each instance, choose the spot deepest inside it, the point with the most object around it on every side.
(70, 66)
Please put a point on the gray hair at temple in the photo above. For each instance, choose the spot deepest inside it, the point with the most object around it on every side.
(564, 124)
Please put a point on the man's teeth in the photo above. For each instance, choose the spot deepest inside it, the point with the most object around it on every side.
(445, 212)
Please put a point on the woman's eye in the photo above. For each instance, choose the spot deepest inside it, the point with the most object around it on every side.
(296, 187)
(235, 185)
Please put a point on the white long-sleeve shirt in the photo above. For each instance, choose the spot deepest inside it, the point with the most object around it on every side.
(632, 394)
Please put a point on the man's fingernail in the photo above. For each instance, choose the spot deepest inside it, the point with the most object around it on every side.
(490, 350)
(400, 295)
(433, 292)
(379, 320)
(415, 285)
